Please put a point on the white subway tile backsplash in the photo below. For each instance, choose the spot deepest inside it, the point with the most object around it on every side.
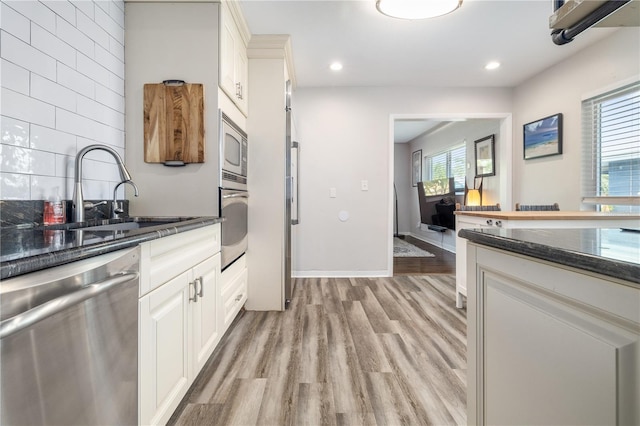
(15, 78)
(97, 190)
(109, 98)
(70, 34)
(27, 161)
(62, 8)
(116, 49)
(92, 70)
(36, 12)
(45, 187)
(116, 11)
(75, 81)
(46, 42)
(21, 107)
(51, 140)
(63, 89)
(85, 7)
(110, 62)
(100, 113)
(99, 170)
(20, 53)
(14, 132)
(116, 84)
(14, 23)
(93, 30)
(14, 186)
(75, 124)
(53, 93)
(102, 4)
(109, 135)
(109, 25)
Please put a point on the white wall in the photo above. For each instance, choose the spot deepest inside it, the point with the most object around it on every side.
(62, 89)
(347, 138)
(172, 41)
(561, 89)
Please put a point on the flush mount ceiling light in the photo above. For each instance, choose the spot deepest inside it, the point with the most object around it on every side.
(492, 65)
(336, 66)
(416, 9)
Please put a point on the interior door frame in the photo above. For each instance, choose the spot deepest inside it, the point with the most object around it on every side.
(504, 169)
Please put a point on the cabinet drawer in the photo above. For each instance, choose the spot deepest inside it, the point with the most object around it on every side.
(167, 257)
(234, 290)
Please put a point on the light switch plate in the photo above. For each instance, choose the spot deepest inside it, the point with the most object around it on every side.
(364, 185)
(333, 193)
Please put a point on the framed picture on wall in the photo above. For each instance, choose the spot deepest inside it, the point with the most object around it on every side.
(485, 156)
(542, 138)
(416, 167)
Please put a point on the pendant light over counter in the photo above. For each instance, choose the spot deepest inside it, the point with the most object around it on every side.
(417, 9)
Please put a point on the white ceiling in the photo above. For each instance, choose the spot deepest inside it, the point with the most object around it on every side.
(449, 51)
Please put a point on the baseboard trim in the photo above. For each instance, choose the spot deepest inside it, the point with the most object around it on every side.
(340, 274)
(442, 246)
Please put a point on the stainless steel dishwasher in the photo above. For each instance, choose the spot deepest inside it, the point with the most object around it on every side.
(69, 343)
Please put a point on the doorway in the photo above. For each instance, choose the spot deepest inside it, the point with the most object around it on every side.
(441, 129)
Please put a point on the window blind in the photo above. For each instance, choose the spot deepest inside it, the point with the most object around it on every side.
(451, 163)
(611, 150)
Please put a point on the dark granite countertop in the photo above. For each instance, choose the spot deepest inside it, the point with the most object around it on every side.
(612, 252)
(27, 249)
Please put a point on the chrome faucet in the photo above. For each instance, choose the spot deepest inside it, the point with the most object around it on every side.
(79, 204)
(115, 208)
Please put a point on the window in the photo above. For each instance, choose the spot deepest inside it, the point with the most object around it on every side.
(448, 164)
(611, 138)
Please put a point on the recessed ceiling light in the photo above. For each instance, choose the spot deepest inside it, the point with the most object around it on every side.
(492, 65)
(336, 66)
(414, 9)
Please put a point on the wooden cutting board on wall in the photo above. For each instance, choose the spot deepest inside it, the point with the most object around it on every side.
(173, 123)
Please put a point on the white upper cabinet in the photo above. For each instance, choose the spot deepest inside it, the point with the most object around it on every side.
(233, 56)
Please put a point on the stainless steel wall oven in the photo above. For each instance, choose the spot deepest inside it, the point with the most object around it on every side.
(234, 208)
(234, 198)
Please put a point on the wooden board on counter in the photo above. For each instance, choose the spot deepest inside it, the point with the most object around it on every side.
(173, 123)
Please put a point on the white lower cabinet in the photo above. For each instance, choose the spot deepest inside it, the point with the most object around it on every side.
(234, 290)
(180, 317)
(548, 344)
(179, 331)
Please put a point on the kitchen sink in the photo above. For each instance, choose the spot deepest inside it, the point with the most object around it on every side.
(131, 223)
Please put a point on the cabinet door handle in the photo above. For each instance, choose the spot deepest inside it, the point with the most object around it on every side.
(498, 223)
(239, 297)
(489, 222)
(195, 291)
(238, 90)
(200, 281)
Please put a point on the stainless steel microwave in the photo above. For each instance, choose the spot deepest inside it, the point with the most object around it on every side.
(233, 154)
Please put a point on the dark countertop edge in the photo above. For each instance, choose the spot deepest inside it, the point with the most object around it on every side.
(14, 268)
(600, 265)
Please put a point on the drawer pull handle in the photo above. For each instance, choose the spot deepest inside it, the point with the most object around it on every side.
(200, 281)
(195, 291)
(239, 297)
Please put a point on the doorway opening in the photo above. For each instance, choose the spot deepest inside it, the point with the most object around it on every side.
(429, 137)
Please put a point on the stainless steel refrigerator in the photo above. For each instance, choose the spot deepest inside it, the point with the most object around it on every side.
(291, 216)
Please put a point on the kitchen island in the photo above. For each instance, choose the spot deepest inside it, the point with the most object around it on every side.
(528, 219)
(553, 326)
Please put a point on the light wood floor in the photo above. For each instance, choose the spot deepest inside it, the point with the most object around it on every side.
(351, 351)
(444, 261)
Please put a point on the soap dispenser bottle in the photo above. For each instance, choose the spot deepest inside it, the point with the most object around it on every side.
(54, 209)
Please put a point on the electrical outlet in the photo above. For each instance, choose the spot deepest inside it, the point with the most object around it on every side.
(364, 185)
